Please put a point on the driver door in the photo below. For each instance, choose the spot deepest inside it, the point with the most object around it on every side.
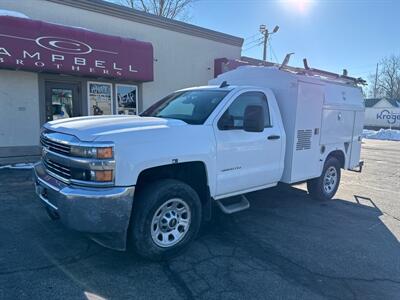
(246, 160)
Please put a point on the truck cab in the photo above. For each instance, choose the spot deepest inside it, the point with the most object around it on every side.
(150, 180)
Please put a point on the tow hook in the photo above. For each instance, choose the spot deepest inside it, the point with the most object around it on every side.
(52, 214)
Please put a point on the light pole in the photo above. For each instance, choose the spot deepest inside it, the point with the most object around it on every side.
(264, 31)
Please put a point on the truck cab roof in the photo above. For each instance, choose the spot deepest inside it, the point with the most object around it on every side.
(218, 88)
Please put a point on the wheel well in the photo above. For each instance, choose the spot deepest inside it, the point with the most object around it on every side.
(339, 155)
(192, 173)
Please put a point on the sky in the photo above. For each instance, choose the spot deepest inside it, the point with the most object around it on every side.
(331, 34)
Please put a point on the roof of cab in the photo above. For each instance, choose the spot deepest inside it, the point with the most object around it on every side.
(210, 87)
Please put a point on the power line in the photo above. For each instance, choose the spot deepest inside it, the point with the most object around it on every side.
(272, 50)
(251, 47)
(249, 37)
(253, 41)
(273, 53)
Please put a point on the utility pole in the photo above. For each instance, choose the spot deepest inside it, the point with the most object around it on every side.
(264, 31)
(376, 79)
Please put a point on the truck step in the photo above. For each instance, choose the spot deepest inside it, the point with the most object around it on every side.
(230, 207)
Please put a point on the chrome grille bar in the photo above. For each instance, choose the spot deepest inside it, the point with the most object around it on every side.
(54, 168)
(54, 146)
(58, 166)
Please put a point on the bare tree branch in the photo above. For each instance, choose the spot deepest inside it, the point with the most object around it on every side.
(388, 81)
(172, 9)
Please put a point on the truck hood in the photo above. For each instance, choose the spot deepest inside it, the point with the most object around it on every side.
(91, 128)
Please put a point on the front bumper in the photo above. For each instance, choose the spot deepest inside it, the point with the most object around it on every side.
(103, 213)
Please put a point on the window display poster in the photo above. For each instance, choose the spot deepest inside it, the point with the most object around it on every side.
(61, 102)
(100, 98)
(126, 99)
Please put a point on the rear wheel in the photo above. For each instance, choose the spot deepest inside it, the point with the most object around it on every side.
(165, 219)
(325, 186)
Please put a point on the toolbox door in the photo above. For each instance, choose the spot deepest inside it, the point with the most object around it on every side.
(356, 139)
(305, 162)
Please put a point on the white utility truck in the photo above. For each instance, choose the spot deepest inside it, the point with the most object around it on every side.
(148, 181)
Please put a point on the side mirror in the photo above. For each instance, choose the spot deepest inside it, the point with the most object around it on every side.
(254, 118)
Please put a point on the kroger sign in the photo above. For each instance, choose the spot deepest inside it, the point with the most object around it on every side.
(44, 47)
(389, 116)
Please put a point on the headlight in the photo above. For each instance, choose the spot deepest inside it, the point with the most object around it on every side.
(92, 152)
(105, 152)
(96, 164)
(92, 175)
(102, 176)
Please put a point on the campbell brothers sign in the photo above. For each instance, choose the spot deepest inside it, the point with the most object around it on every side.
(44, 47)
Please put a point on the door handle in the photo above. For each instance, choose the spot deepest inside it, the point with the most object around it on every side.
(274, 137)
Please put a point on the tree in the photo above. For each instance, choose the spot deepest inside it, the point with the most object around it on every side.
(172, 9)
(388, 79)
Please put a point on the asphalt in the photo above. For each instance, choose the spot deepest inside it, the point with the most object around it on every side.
(286, 246)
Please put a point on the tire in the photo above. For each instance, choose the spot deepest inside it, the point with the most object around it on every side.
(319, 188)
(166, 218)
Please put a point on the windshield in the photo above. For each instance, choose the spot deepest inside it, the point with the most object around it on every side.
(192, 107)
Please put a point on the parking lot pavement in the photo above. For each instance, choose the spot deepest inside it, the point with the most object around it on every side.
(285, 246)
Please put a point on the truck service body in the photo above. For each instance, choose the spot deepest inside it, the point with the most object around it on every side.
(151, 179)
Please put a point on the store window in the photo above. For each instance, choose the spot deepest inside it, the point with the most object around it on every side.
(127, 98)
(100, 98)
(62, 100)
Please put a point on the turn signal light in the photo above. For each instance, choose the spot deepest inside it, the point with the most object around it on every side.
(105, 175)
(106, 152)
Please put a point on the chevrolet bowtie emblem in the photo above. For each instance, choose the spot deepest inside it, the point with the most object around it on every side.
(44, 151)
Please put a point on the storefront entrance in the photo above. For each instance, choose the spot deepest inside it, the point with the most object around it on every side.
(63, 100)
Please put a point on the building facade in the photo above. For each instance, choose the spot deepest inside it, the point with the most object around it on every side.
(72, 58)
(382, 113)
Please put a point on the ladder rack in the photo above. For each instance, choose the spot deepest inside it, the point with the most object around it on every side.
(325, 74)
(344, 78)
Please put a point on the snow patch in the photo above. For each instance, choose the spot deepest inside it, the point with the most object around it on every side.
(382, 134)
(11, 13)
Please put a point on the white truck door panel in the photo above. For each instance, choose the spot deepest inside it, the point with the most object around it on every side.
(305, 163)
(247, 160)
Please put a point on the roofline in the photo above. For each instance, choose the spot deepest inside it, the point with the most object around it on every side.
(138, 16)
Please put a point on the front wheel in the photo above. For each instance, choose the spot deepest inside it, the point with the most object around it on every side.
(165, 219)
(325, 186)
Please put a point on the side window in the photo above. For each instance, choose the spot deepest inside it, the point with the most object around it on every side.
(234, 115)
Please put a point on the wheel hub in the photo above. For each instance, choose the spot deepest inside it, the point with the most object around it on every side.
(170, 223)
(330, 180)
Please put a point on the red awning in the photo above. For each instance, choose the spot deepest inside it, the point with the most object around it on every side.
(38, 46)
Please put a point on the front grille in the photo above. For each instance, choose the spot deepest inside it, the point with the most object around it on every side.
(60, 163)
(55, 146)
(57, 169)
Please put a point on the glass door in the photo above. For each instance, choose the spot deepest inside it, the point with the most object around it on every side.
(62, 100)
